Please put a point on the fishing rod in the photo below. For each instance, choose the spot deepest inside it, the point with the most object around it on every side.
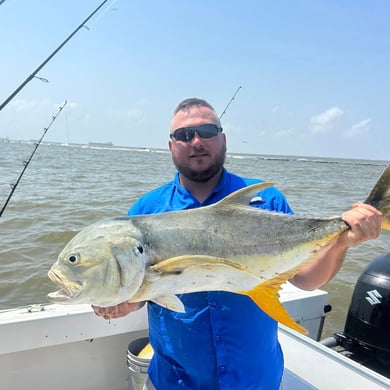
(27, 162)
(32, 75)
(235, 93)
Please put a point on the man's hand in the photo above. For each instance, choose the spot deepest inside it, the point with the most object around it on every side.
(121, 310)
(365, 222)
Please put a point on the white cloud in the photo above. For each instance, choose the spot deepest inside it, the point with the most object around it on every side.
(71, 105)
(20, 105)
(358, 128)
(325, 121)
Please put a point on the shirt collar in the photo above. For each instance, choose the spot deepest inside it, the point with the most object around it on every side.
(218, 189)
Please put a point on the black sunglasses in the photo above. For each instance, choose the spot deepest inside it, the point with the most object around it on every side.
(186, 134)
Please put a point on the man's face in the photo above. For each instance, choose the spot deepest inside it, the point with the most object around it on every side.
(199, 159)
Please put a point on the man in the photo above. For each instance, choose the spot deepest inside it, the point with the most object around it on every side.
(223, 340)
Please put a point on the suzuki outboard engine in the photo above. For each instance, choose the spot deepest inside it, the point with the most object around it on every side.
(367, 328)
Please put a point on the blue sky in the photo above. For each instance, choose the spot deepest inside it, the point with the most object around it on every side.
(315, 75)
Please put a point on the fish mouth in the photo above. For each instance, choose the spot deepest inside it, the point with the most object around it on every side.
(69, 291)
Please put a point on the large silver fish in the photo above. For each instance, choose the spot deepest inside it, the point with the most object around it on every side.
(228, 246)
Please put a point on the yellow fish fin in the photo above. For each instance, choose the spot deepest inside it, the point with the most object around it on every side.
(266, 296)
(177, 265)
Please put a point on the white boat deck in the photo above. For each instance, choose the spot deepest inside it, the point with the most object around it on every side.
(310, 365)
(64, 347)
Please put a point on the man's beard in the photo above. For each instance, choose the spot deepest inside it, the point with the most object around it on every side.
(202, 176)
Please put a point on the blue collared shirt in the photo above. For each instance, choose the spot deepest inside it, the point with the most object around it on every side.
(223, 340)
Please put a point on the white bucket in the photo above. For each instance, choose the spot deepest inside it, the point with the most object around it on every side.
(138, 366)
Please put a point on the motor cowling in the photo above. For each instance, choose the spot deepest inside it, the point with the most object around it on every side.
(368, 321)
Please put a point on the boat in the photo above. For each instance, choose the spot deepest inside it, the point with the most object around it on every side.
(67, 346)
(49, 346)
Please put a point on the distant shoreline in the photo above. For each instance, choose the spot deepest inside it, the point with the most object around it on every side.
(111, 146)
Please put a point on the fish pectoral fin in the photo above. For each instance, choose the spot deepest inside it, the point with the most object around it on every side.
(190, 274)
(171, 302)
(176, 265)
(266, 296)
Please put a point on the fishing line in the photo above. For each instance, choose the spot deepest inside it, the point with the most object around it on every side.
(101, 15)
(27, 162)
(70, 160)
(235, 93)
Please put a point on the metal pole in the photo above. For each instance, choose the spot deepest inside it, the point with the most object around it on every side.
(27, 162)
(29, 78)
(235, 93)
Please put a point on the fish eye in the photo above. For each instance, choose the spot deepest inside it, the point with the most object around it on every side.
(73, 259)
(139, 249)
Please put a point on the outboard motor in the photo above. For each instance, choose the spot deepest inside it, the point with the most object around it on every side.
(366, 336)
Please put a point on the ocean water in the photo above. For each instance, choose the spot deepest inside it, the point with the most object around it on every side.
(67, 187)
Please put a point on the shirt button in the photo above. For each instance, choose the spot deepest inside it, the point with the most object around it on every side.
(222, 369)
(218, 338)
(213, 304)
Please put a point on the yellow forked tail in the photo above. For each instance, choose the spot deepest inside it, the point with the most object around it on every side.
(266, 296)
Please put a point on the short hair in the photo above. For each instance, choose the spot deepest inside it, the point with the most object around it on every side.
(186, 104)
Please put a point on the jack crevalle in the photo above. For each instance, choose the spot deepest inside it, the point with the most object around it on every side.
(228, 246)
